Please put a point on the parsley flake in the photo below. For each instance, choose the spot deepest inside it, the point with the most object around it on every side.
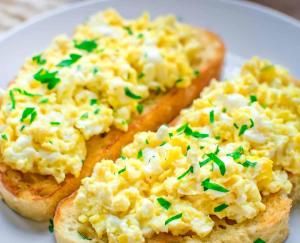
(164, 203)
(39, 60)
(140, 108)
(122, 170)
(48, 78)
(175, 217)
(68, 62)
(188, 171)
(51, 226)
(132, 95)
(220, 208)
(29, 111)
(212, 186)
(212, 116)
(248, 163)
(87, 45)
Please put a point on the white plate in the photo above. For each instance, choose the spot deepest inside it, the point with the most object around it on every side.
(247, 30)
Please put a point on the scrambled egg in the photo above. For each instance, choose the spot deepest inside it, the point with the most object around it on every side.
(82, 86)
(226, 152)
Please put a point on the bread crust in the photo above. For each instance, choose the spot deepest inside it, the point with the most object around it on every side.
(270, 225)
(36, 197)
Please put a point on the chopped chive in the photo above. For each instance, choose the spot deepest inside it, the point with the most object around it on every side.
(44, 101)
(218, 137)
(213, 186)
(29, 111)
(83, 236)
(140, 36)
(122, 157)
(201, 147)
(95, 70)
(39, 60)
(51, 226)
(24, 92)
(45, 77)
(12, 98)
(87, 45)
(122, 170)
(251, 123)
(130, 94)
(164, 203)
(188, 171)
(178, 80)
(236, 125)
(243, 129)
(212, 116)
(93, 101)
(140, 108)
(248, 163)
(140, 154)
(146, 141)
(84, 116)
(218, 161)
(129, 30)
(4, 136)
(170, 134)
(196, 73)
(204, 162)
(175, 217)
(163, 143)
(54, 123)
(221, 207)
(22, 128)
(189, 132)
(259, 240)
(224, 110)
(141, 76)
(96, 111)
(68, 62)
(253, 99)
(236, 154)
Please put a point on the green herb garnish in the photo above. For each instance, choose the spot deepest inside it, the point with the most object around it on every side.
(178, 80)
(12, 99)
(130, 94)
(164, 203)
(96, 111)
(212, 116)
(175, 217)
(129, 30)
(48, 78)
(245, 127)
(259, 240)
(248, 163)
(84, 116)
(141, 75)
(236, 125)
(4, 136)
(39, 60)
(140, 154)
(221, 207)
(22, 128)
(87, 45)
(68, 62)
(253, 99)
(51, 226)
(188, 171)
(163, 143)
(122, 170)
(140, 108)
(24, 92)
(196, 73)
(189, 132)
(29, 111)
(140, 36)
(213, 186)
(44, 101)
(237, 153)
(54, 123)
(93, 102)
(218, 161)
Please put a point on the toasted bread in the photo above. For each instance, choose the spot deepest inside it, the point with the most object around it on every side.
(36, 197)
(270, 225)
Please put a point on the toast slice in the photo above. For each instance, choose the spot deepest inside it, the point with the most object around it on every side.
(36, 197)
(270, 225)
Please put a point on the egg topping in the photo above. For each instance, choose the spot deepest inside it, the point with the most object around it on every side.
(81, 86)
(225, 153)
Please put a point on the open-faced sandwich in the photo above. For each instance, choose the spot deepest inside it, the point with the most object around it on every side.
(219, 173)
(83, 98)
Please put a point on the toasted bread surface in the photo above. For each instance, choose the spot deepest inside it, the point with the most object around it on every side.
(270, 225)
(35, 196)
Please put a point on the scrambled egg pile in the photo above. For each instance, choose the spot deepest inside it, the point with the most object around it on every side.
(226, 152)
(81, 86)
